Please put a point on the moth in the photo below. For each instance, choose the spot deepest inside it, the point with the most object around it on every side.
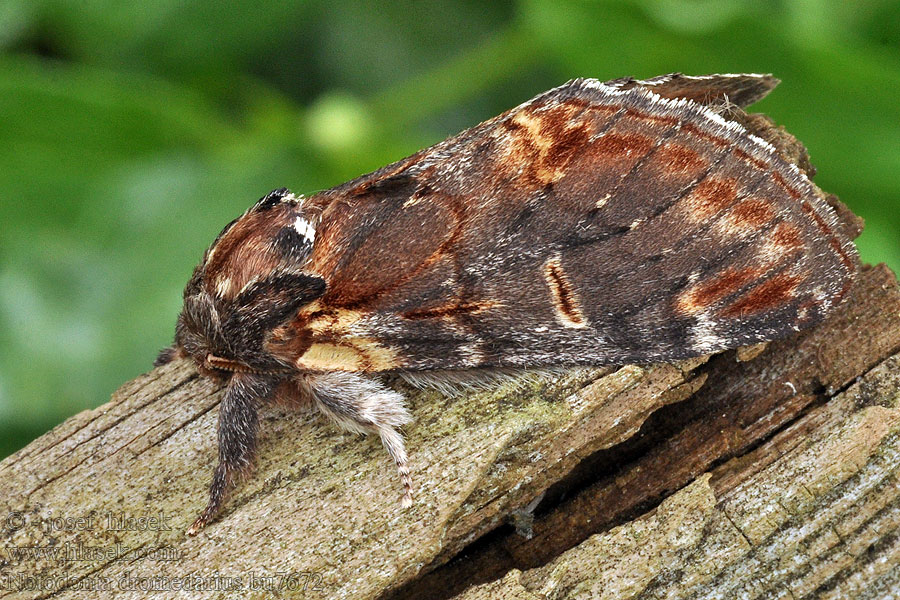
(631, 221)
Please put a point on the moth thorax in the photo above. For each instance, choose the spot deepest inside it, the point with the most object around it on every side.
(262, 242)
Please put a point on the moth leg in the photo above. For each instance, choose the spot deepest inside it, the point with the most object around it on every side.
(237, 428)
(363, 405)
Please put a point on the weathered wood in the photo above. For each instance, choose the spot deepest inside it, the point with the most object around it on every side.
(814, 512)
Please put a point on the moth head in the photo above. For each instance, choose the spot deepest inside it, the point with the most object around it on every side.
(251, 280)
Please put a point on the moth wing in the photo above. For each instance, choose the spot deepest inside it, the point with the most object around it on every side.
(735, 89)
(595, 224)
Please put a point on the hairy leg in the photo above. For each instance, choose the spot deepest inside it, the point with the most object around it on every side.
(364, 405)
(238, 425)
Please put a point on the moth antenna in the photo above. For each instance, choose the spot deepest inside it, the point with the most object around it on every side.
(363, 405)
(237, 429)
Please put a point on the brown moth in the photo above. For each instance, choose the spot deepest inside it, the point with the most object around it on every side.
(599, 223)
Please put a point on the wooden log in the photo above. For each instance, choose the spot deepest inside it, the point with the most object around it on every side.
(812, 513)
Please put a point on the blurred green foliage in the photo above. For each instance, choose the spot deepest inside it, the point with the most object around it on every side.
(130, 133)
